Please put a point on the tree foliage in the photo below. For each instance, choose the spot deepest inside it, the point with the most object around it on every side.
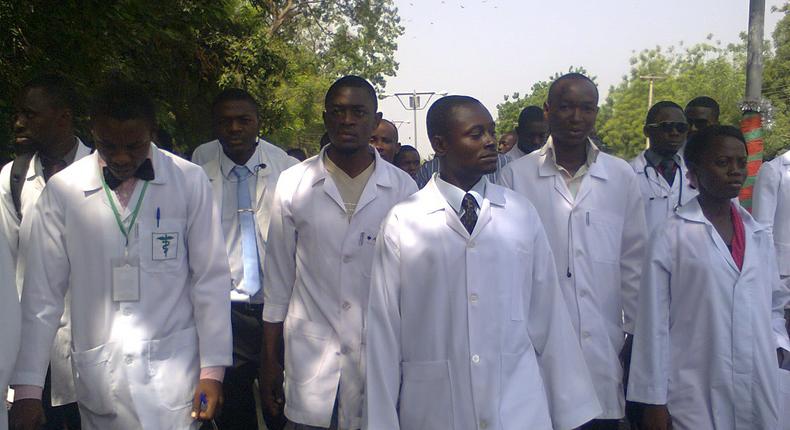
(185, 51)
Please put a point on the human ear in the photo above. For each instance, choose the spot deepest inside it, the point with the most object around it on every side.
(439, 145)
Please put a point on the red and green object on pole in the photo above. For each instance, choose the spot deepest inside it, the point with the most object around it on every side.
(752, 129)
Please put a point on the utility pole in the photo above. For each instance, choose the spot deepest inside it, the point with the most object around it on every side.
(650, 79)
(413, 101)
(752, 106)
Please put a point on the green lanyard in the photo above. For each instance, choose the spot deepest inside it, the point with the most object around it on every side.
(124, 230)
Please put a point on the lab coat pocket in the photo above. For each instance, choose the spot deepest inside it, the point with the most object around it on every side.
(93, 378)
(605, 235)
(306, 345)
(162, 245)
(521, 395)
(426, 396)
(174, 367)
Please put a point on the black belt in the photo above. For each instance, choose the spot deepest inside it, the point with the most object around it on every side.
(247, 308)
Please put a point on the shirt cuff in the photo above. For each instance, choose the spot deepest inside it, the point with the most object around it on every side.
(27, 392)
(216, 373)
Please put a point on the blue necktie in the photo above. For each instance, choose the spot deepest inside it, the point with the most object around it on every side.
(249, 246)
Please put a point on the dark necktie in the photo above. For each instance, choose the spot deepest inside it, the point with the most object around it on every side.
(469, 217)
(144, 172)
(667, 169)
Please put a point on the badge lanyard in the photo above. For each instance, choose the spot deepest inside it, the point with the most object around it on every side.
(124, 230)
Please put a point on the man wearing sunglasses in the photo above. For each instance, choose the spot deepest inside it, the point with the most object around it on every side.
(701, 113)
(660, 169)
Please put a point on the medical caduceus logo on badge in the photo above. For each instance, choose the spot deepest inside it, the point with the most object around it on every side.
(165, 246)
(164, 240)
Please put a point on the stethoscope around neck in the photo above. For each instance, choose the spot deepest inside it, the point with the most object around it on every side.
(660, 194)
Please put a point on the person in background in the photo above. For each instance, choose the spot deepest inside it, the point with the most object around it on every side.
(408, 160)
(467, 261)
(701, 112)
(45, 122)
(591, 206)
(385, 140)
(243, 174)
(710, 320)
(532, 131)
(506, 142)
(131, 232)
(297, 153)
(324, 222)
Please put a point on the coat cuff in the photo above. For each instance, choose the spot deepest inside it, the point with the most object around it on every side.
(273, 313)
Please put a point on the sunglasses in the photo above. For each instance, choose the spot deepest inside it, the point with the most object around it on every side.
(667, 126)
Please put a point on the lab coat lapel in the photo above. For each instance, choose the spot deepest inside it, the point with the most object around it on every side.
(596, 172)
(262, 174)
(693, 212)
(437, 202)
(380, 177)
(328, 185)
(549, 172)
(494, 197)
(214, 173)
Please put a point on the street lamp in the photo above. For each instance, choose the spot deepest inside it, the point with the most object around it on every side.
(414, 101)
(651, 79)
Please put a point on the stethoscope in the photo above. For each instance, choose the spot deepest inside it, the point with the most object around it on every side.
(660, 194)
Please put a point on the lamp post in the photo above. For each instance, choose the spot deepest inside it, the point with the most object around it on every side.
(414, 101)
(651, 79)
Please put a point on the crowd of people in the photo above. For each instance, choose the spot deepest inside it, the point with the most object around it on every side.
(530, 282)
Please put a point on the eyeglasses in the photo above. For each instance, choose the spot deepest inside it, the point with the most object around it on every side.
(667, 126)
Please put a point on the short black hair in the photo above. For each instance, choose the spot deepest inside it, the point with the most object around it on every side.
(441, 110)
(297, 153)
(571, 76)
(123, 101)
(394, 127)
(352, 81)
(234, 94)
(652, 113)
(700, 142)
(59, 89)
(530, 114)
(403, 150)
(705, 102)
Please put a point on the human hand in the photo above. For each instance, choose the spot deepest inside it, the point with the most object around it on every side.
(208, 400)
(270, 381)
(656, 417)
(26, 414)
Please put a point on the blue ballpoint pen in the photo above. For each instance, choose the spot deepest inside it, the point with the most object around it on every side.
(203, 406)
(158, 217)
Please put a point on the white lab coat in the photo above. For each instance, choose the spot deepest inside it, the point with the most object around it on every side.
(135, 364)
(598, 242)
(62, 382)
(272, 162)
(706, 332)
(317, 275)
(468, 332)
(771, 206)
(9, 324)
(659, 197)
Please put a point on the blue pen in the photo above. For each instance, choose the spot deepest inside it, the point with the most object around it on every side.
(203, 407)
(158, 217)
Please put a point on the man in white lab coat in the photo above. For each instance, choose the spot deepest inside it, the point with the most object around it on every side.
(131, 232)
(710, 315)
(660, 168)
(9, 324)
(45, 122)
(467, 328)
(326, 215)
(243, 171)
(591, 207)
(531, 131)
(771, 206)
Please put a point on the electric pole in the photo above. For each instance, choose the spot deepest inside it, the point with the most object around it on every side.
(650, 79)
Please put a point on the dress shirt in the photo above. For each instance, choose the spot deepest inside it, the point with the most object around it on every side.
(574, 181)
(430, 167)
(455, 195)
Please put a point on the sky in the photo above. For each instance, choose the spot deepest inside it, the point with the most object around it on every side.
(490, 48)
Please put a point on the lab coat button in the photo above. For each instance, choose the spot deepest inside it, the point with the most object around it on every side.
(127, 311)
(483, 424)
(471, 244)
(475, 359)
(346, 306)
(473, 298)
(586, 334)
(346, 258)
(129, 360)
(582, 293)
(345, 350)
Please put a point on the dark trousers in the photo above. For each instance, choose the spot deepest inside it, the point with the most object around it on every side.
(239, 409)
(601, 425)
(66, 417)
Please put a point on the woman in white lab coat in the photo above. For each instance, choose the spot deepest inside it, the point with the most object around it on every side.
(710, 305)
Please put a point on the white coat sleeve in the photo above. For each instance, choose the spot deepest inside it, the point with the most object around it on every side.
(649, 377)
(8, 216)
(9, 320)
(766, 190)
(569, 389)
(383, 333)
(280, 265)
(780, 300)
(506, 176)
(210, 276)
(45, 284)
(632, 251)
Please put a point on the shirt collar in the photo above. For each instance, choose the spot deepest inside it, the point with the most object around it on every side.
(455, 195)
(592, 154)
(226, 165)
(654, 158)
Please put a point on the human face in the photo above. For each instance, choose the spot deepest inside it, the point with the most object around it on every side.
(122, 144)
(571, 111)
(506, 143)
(236, 126)
(385, 140)
(533, 135)
(699, 118)
(38, 122)
(350, 119)
(409, 162)
(469, 148)
(722, 169)
(668, 131)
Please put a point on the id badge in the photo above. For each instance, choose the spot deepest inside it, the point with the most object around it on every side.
(125, 280)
